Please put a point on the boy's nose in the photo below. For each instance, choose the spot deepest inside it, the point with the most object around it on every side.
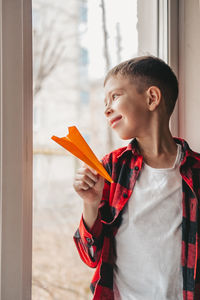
(108, 110)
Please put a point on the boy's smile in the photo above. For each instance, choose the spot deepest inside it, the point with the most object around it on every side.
(115, 120)
(126, 109)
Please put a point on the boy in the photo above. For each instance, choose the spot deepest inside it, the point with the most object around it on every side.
(142, 232)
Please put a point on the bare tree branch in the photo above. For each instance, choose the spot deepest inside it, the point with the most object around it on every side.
(105, 35)
(50, 44)
(118, 42)
(109, 137)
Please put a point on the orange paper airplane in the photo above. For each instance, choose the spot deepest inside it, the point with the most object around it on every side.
(75, 143)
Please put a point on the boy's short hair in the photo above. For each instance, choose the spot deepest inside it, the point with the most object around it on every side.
(146, 71)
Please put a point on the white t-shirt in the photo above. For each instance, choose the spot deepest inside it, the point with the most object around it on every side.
(148, 242)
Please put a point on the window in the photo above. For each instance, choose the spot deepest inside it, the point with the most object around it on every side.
(60, 87)
(72, 94)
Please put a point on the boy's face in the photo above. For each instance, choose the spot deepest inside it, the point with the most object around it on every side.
(126, 110)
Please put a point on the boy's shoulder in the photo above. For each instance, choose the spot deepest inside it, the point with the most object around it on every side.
(116, 154)
(196, 155)
(188, 151)
(196, 159)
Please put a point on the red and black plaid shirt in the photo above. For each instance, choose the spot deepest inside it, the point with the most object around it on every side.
(97, 246)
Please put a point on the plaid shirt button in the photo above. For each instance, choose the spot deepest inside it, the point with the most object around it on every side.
(136, 168)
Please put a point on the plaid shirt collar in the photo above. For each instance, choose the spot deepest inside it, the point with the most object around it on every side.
(186, 151)
(132, 146)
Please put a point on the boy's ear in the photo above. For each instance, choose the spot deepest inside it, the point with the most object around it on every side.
(153, 97)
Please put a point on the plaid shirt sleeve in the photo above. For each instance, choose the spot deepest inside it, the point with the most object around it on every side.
(89, 242)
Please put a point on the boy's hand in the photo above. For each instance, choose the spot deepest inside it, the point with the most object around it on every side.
(89, 185)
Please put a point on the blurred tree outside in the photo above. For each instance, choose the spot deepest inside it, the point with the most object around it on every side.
(50, 47)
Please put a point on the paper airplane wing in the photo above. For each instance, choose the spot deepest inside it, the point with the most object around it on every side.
(75, 143)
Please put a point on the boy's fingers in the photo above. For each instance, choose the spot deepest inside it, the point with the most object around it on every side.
(80, 185)
(91, 169)
(88, 180)
(88, 172)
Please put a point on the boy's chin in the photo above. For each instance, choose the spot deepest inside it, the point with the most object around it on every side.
(125, 136)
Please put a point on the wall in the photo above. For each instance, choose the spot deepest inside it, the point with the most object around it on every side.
(189, 72)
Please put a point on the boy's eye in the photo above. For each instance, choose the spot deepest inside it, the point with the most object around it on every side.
(114, 96)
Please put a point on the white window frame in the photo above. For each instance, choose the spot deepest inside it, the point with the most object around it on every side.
(16, 149)
(162, 51)
(173, 55)
(168, 45)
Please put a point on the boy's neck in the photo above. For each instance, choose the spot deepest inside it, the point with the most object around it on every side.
(158, 150)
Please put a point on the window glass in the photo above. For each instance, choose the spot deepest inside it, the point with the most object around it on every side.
(75, 43)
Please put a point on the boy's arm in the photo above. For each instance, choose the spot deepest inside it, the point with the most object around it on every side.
(89, 242)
